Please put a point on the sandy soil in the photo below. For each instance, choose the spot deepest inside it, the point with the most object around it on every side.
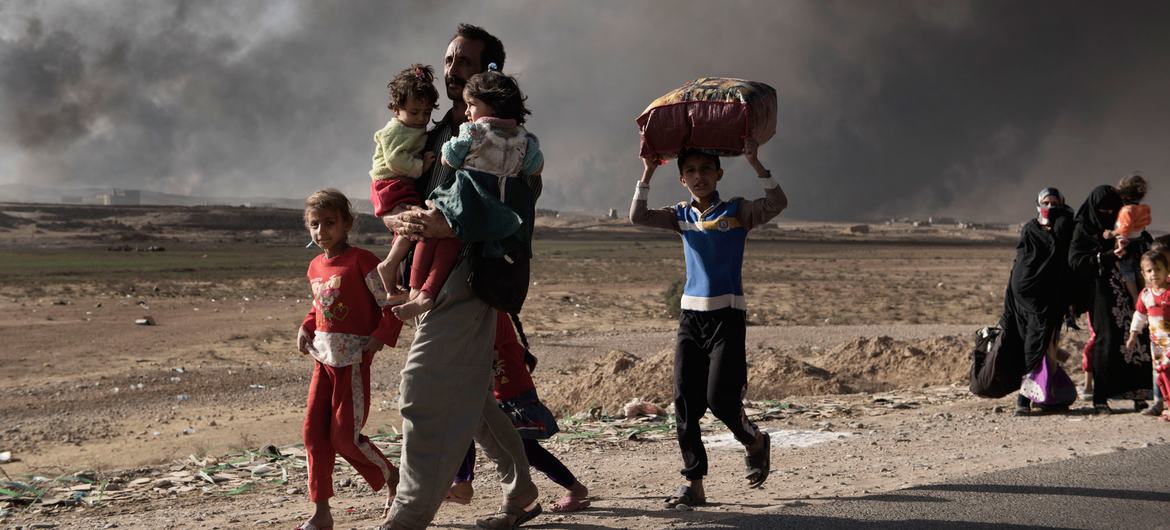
(856, 343)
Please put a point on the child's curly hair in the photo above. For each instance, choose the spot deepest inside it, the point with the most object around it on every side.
(1132, 187)
(329, 199)
(501, 92)
(417, 81)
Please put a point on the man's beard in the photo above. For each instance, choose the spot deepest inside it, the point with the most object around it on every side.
(454, 94)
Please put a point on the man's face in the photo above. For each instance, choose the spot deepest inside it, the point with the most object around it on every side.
(461, 62)
(699, 176)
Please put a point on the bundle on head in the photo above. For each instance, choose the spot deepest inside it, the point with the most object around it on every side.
(712, 114)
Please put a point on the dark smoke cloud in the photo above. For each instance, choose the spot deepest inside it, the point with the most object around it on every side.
(886, 108)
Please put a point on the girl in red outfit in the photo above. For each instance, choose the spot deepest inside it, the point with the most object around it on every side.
(516, 394)
(349, 321)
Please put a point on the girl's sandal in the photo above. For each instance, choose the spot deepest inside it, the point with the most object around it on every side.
(509, 518)
(569, 503)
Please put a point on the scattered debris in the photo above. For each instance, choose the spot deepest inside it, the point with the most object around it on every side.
(145, 321)
(638, 407)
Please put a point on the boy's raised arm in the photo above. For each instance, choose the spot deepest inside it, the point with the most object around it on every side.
(755, 213)
(639, 213)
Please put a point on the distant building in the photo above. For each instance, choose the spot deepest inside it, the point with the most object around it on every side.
(72, 199)
(120, 197)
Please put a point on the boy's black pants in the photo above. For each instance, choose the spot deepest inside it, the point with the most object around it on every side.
(710, 371)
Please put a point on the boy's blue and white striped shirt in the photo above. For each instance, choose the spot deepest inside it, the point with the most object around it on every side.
(713, 245)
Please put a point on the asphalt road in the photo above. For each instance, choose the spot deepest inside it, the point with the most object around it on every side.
(1118, 491)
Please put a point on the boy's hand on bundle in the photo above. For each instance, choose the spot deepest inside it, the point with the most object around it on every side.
(304, 340)
(650, 164)
(373, 345)
(751, 149)
(751, 153)
(428, 159)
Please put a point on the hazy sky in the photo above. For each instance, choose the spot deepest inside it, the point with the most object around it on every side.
(886, 107)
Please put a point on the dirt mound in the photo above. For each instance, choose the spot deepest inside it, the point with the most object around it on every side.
(878, 364)
(864, 364)
(11, 221)
(619, 376)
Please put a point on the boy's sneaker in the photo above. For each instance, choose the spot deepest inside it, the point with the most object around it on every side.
(1155, 410)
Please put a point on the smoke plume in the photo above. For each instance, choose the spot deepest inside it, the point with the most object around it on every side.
(893, 108)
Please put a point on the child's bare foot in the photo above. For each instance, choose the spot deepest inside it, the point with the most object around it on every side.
(460, 493)
(322, 519)
(576, 499)
(419, 305)
(391, 491)
(397, 296)
(388, 272)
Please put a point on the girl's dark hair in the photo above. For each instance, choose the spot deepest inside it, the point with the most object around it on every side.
(1132, 187)
(417, 81)
(500, 92)
(329, 199)
(1161, 243)
(1154, 256)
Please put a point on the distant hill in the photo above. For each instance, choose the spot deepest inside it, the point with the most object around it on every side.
(20, 192)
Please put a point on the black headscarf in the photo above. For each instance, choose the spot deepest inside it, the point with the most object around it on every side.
(1092, 222)
(1090, 254)
(1040, 271)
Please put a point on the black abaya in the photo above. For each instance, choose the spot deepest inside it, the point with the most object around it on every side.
(1117, 373)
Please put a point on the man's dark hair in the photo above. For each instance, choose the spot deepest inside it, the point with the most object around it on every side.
(501, 92)
(493, 49)
(688, 153)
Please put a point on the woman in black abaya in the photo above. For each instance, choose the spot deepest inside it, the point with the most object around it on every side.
(1036, 299)
(1118, 373)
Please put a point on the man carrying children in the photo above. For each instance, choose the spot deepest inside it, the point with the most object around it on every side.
(710, 360)
(446, 393)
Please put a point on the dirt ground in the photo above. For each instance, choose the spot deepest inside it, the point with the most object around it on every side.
(858, 347)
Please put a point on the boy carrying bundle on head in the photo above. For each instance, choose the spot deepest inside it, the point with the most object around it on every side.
(710, 362)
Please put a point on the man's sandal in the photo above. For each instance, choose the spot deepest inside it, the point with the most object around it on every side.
(684, 499)
(759, 463)
(509, 518)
